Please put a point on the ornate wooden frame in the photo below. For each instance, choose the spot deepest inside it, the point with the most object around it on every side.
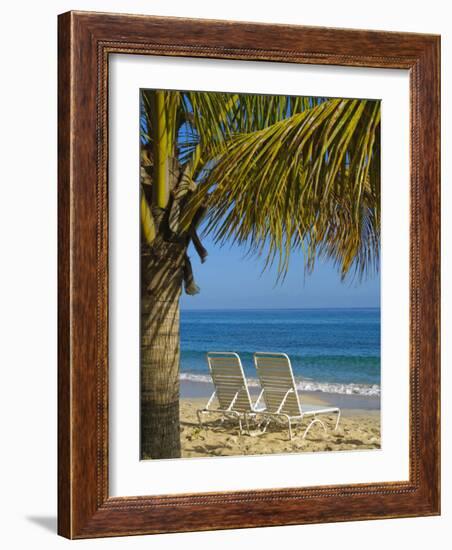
(85, 42)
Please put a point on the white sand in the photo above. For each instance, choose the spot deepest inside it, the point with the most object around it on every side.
(358, 429)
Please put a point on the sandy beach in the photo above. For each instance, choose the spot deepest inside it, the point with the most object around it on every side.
(359, 428)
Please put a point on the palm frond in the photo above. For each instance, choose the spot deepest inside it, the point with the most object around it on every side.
(310, 181)
(280, 173)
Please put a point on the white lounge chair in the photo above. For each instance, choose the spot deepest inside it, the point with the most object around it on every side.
(231, 389)
(280, 395)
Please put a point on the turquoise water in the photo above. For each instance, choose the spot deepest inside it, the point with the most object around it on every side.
(333, 350)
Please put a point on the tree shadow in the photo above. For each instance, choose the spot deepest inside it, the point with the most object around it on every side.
(49, 523)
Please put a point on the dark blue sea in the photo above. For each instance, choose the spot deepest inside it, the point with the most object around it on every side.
(332, 350)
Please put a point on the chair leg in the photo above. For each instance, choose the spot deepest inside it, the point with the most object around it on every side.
(261, 430)
(240, 426)
(198, 414)
(265, 421)
(338, 418)
(289, 424)
(313, 421)
(247, 424)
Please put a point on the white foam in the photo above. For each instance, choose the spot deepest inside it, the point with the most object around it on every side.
(303, 385)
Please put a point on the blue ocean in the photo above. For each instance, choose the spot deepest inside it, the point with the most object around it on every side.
(331, 350)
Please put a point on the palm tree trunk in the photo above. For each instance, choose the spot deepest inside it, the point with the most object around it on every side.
(162, 275)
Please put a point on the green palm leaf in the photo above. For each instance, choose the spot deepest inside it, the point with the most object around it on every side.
(280, 173)
(307, 181)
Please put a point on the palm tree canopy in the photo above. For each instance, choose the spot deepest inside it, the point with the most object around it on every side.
(276, 173)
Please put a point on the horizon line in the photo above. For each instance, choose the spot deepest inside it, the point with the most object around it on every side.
(275, 308)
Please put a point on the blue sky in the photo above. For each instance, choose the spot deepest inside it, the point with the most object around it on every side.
(228, 280)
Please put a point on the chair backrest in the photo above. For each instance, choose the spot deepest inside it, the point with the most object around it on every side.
(229, 379)
(276, 379)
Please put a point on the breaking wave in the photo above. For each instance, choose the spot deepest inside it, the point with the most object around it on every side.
(304, 385)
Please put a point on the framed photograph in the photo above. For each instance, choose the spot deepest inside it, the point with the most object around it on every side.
(248, 275)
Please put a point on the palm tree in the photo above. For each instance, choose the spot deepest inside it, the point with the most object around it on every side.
(273, 173)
